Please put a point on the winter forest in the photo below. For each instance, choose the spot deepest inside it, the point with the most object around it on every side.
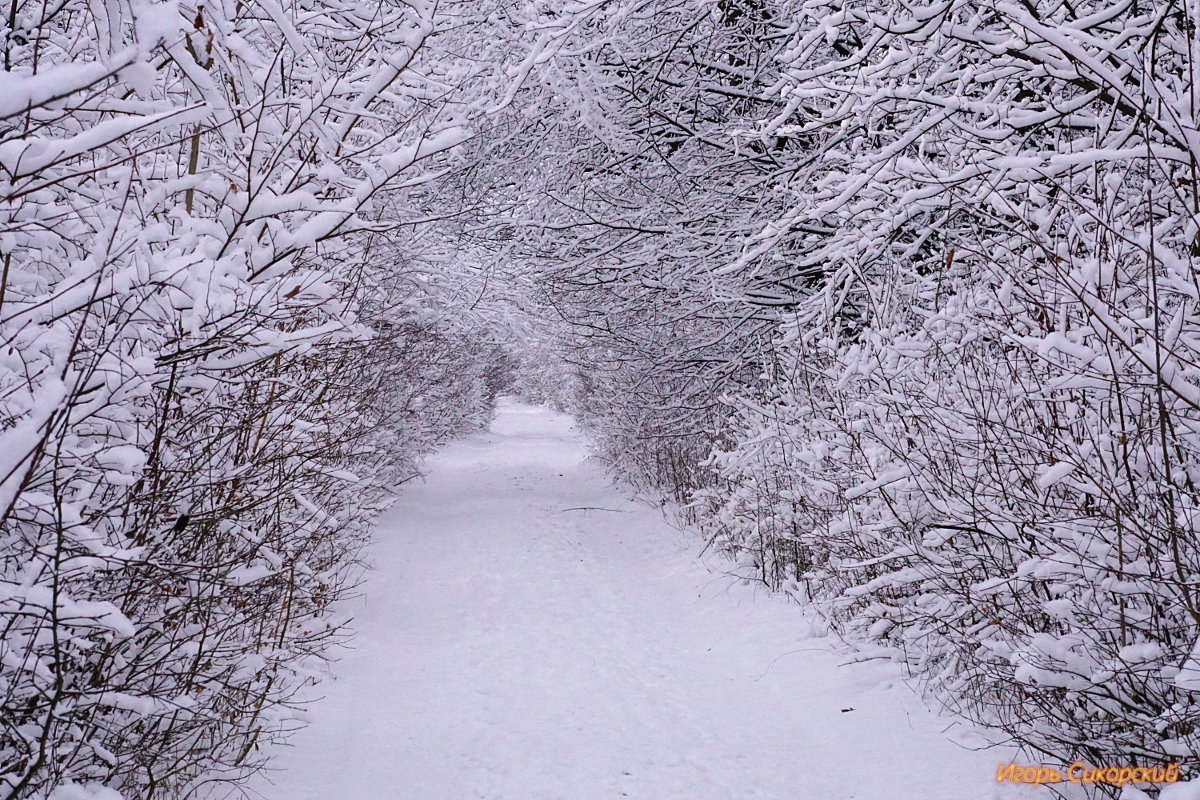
(892, 306)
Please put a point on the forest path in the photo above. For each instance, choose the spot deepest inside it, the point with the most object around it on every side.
(529, 634)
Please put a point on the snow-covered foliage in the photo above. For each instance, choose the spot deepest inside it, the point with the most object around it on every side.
(921, 279)
(222, 344)
(638, 196)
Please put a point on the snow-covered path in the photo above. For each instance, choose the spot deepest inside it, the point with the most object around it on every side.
(529, 635)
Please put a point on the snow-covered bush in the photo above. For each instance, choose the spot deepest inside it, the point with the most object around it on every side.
(991, 468)
(220, 349)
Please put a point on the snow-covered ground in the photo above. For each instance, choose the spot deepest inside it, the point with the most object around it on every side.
(528, 634)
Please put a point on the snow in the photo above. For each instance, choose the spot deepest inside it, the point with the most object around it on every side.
(242, 576)
(73, 791)
(890, 477)
(529, 634)
(1054, 474)
(1188, 678)
(1189, 790)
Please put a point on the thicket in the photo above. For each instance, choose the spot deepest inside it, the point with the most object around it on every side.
(899, 303)
(224, 340)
